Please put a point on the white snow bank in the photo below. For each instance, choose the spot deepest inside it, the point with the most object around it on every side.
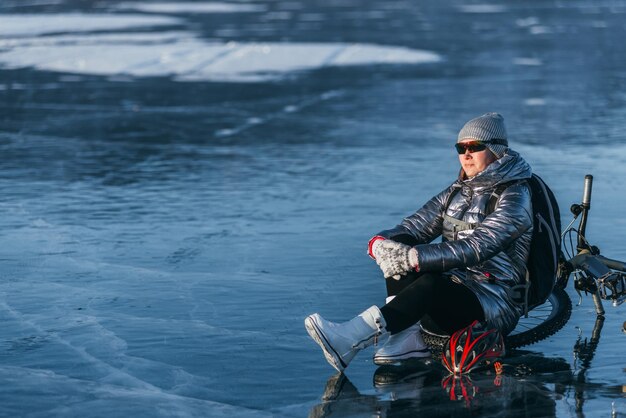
(176, 54)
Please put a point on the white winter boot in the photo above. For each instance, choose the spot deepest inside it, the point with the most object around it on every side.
(341, 342)
(404, 345)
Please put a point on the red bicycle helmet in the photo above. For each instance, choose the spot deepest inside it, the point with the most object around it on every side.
(472, 347)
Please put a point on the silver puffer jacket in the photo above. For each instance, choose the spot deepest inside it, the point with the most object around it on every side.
(490, 258)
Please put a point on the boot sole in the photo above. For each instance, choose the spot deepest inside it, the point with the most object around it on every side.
(382, 360)
(318, 336)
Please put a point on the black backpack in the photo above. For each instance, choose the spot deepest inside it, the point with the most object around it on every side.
(545, 247)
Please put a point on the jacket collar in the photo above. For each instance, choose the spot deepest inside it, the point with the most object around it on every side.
(508, 168)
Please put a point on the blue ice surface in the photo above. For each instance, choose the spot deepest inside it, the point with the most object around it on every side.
(163, 239)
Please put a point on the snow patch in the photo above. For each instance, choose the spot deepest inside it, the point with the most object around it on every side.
(535, 101)
(189, 7)
(177, 54)
(482, 8)
(39, 24)
(527, 22)
(540, 30)
(527, 61)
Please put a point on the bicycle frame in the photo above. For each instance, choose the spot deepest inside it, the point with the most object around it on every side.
(603, 277)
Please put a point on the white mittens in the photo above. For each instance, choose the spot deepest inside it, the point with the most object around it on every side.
(393, 258)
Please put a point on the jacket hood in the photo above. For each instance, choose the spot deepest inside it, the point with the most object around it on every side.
(508, 168)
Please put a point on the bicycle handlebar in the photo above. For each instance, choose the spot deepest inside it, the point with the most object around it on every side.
(585, 206)
(612, 264)
(587, 191)
(599, 264)
(590, 263)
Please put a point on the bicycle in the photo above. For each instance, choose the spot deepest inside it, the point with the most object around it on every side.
(602, 277)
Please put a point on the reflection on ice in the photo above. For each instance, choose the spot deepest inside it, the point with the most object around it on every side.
(425, 391)
(176, 54)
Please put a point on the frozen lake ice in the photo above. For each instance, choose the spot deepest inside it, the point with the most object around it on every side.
(184, 182)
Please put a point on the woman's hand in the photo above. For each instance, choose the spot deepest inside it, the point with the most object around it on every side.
(395, 259)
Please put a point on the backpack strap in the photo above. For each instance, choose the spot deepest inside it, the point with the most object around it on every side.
(456, 187)
(495, 196)
(491, 205)
(459, 225)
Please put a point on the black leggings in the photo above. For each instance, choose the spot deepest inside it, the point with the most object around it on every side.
(450, 305)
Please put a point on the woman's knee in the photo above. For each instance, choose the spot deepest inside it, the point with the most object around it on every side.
(429, 281)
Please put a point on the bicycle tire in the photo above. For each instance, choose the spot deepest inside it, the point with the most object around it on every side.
(545, 320)
(560, 309)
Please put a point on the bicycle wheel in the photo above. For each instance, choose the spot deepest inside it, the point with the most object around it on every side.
(543, 321)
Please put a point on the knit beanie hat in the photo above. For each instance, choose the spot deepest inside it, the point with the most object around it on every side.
(488, 128)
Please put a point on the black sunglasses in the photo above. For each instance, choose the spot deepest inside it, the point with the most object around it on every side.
(476, 146)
